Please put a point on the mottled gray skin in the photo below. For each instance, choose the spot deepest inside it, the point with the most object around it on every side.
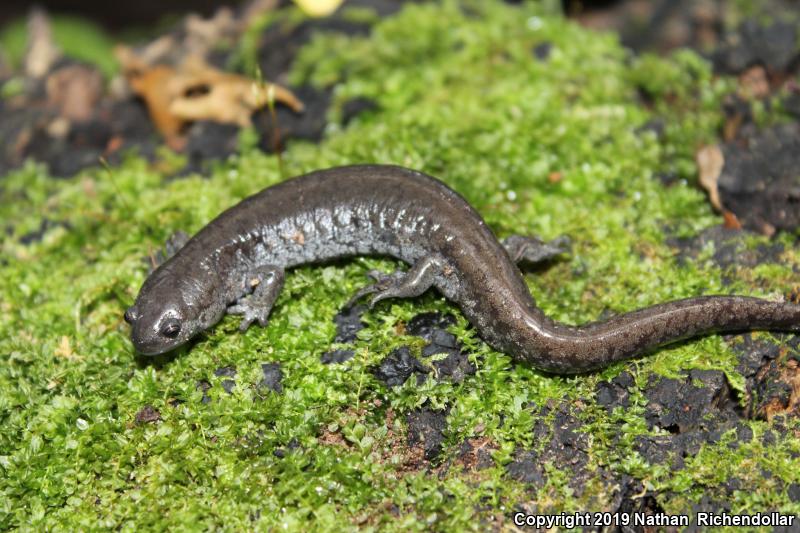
(235, 264)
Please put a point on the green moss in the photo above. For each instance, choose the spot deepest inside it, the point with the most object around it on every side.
(462, 97)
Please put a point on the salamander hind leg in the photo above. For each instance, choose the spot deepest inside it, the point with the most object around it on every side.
(534, 250)
(266, 282)
(415, 281)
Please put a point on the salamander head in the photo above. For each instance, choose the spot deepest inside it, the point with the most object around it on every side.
(167, 313)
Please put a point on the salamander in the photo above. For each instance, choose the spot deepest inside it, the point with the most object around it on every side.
(236, 264)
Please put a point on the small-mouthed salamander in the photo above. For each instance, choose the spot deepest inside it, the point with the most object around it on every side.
(236, 265)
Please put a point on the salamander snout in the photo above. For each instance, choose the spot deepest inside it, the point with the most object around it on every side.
(157, 332)
(131, 315)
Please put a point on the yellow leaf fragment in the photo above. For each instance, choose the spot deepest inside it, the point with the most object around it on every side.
(709, 165)
(318, 8)
(64, 349)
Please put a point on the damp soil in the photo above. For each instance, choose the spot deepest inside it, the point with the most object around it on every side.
(441, 358)
(225, 380)
(33, 124)
(730, 246)
(759, 181)
(682, 414)
(759, 187)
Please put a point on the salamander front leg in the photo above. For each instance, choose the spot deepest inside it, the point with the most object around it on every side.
(414, 282)
(174, 243)
(533, 250)
(266, 283)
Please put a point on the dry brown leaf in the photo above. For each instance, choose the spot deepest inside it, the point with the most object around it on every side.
(74, 90)
(731, 221)
(42, 51)
(197, 91)
(709, 165)
(210, 94)
(731, 127)
(157, 87)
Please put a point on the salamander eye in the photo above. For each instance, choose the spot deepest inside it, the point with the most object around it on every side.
(130, 315)
(170, 327)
